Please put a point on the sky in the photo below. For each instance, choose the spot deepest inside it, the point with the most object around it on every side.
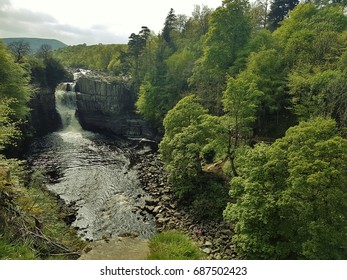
(89, 21)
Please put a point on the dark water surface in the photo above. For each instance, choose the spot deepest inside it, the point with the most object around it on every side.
(94, 173)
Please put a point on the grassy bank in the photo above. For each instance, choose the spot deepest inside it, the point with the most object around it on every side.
(31, 219)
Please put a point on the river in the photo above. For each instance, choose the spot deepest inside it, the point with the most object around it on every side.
(93, 173)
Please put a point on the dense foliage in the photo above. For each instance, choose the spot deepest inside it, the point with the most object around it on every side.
(96, 57)
(292, 197)
(256, 71)
(188, 131)
(30, 223)
(14, 81)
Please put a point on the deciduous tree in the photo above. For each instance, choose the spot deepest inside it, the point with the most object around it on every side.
(188, 128)
(230, 28)
(291, 197)
(14, 82)
(19, 49)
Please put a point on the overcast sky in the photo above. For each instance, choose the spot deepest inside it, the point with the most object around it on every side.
(88, 21)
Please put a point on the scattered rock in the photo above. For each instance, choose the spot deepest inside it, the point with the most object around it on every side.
(207, 251)
(216, 237)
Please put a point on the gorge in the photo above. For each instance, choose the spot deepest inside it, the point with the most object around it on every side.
(92, 173)
(116, 189)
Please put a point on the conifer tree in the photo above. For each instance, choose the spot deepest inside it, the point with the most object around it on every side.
(279, 10)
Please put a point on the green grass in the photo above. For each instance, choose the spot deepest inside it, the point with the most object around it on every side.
(173, 245)
(15, 250)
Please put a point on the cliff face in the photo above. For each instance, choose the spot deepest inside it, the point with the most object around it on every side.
(109, 106)
(44, 117)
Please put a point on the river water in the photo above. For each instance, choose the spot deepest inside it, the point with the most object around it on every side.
(93, 173)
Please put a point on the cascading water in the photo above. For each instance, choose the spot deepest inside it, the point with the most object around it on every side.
(93, 173)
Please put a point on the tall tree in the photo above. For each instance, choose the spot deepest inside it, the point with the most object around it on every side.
(188, 128)
(8, 128)
(19, 49)
(320, 94)
(132, 57)
(230, 29)
(169, 26)
(279, 9)
(259, 13)
(44, 51)
(241, 100)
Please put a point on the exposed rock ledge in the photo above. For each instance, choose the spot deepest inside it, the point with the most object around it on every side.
(109, 105)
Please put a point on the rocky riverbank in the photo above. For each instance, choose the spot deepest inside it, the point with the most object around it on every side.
(213, 237)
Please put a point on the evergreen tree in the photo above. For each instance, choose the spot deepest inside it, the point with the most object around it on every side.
(279, 9)
(169, 26)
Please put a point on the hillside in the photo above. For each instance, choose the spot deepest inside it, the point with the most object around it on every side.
(36, 43)
(95, 57)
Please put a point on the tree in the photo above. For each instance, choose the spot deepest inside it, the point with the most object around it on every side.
(8, 128)
(148, 103)
(188, 128)
(241, 100)
(320, 94)
(279, 9)
(291, 197)
(259, 13)
(169, 26)
(44, 51)
(131, 59)
(19, 49)
(308, 16)
(14, 83)
(198, 24)
(55, 73)
(230, 29)
(266, 69)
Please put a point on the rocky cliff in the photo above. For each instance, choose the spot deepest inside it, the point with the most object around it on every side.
(106, 105)
(44, 117)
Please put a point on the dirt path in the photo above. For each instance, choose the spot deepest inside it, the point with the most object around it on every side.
(121, 248)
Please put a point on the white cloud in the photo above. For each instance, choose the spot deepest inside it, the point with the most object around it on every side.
(81, 21)
(19, 22)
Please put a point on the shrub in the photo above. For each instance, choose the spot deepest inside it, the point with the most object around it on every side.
(173, 245)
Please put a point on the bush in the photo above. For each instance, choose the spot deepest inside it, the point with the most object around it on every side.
(210, 202)
(173, 245)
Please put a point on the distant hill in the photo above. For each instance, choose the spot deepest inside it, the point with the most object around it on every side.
(36, 43)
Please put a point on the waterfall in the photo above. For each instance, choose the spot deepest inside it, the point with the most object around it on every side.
(66, 107)
(93, 173)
